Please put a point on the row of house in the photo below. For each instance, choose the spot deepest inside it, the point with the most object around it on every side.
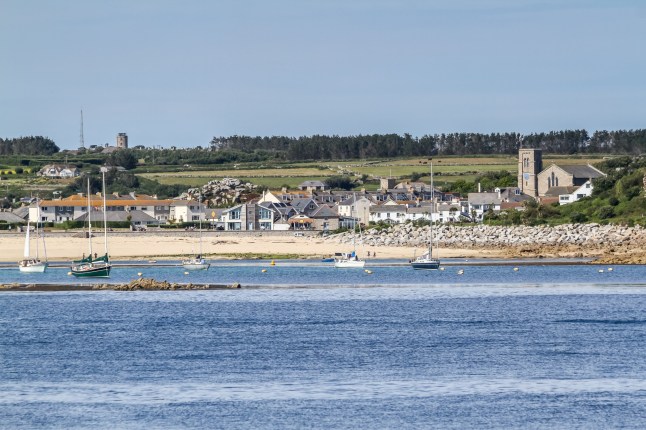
(313, 206)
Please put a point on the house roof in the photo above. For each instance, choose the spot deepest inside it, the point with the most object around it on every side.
(586, 172)
(306, 184)
(388, 208)
(112, 216)
(10, 218)
(557, 191)
(483, 198)
(324, 212)
(97, 200)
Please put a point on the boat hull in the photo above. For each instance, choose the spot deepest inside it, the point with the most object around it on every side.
(426, 265)
(196, 266)
(33, 267)
(349, 264)
(92, 271)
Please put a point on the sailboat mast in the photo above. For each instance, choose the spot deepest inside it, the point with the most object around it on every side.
(430, 242)
(42, 232)
(89, 218)
(26, 251)
(199, 206)
(105, 216)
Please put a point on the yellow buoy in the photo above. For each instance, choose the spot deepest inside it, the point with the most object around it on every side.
(273, 263)
(609, 269)
(69, 273)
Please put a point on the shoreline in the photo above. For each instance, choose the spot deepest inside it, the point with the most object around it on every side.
(65, 246)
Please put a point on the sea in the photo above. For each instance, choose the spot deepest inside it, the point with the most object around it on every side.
(305, 345)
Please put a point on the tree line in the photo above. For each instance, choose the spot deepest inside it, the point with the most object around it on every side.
(28, 145)
(322, 147)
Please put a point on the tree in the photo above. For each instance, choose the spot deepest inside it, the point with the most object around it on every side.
(339, 182)
(124, 158)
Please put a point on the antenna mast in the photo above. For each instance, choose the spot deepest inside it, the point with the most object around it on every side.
(82, 140)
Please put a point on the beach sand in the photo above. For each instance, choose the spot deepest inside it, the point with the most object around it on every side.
(161, 245)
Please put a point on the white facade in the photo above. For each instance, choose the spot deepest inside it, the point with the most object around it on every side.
(584, 190)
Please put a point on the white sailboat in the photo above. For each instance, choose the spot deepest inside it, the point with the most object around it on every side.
(94, 265)
(426, 261)
(197, 262)
(350, 260)
(31, 264)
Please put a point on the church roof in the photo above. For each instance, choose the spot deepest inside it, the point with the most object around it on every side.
(582, 171)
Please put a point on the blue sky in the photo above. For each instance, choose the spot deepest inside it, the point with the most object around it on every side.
(180, 72)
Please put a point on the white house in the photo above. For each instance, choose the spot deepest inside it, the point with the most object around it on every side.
(391, 214)
(584, 190)
(480, 203)
(187, 211)
(59, 171)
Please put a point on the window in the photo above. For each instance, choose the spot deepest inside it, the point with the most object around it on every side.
(144, 208)
(234, 214)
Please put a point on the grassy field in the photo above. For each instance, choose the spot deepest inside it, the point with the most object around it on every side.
(446, 169)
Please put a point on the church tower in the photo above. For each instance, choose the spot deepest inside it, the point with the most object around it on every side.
(530, 164)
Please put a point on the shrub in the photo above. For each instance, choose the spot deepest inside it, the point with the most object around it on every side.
(605, 212)
(578, 217)
(613, 201)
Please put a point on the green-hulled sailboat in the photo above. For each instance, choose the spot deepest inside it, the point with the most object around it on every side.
(94, 265)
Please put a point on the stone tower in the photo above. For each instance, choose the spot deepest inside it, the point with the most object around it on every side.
(530, 164)
(386, 183)
(122, 141)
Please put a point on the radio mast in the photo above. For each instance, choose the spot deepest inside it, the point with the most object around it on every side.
(82, 140)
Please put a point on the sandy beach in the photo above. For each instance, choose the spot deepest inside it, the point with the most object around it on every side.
(161, 245)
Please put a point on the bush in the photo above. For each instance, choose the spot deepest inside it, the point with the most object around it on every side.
(19, 170)
(613, 201)
(578, 217)
(605, 212)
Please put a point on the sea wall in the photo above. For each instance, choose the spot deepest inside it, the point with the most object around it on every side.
(583, 235)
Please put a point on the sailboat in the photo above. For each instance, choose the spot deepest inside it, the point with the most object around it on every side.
(30, 264)
(197, 262)
(93, 265)
(350, 259)
(426, 260)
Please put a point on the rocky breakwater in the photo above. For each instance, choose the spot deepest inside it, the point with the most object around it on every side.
(153, 285)
(611, 243)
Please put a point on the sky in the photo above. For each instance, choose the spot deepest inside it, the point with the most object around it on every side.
(178, 73)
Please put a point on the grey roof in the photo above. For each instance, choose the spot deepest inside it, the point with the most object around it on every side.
(312, 184)
(11, 218)
(557, 191)
(580, 171)
(483, 198)
(22, 212)
(388, 208)
(112, 216)
(324, 212)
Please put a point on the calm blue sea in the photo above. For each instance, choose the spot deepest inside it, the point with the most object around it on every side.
(317, 347)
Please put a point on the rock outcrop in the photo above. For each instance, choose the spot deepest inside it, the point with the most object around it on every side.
(224, 192)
